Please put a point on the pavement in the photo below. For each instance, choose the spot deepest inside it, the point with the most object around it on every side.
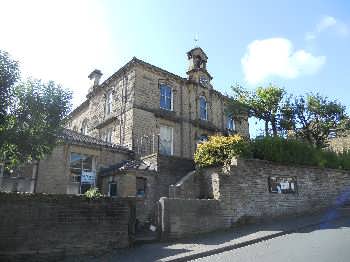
(213, 243)
(322, 243)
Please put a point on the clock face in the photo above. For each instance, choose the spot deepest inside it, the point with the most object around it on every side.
(203, 80)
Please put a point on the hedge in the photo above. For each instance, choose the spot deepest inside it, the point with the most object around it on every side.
(219, 150)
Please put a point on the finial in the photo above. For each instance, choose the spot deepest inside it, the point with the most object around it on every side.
(196, 40)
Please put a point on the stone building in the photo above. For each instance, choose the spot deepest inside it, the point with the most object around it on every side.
(134, 135)
(339, 142)
(71, 168)
(148, 109)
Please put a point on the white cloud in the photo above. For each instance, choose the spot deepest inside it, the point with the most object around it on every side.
(328, 23)
(274, 57)
(57, 40)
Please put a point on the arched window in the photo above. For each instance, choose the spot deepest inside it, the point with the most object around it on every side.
(166, 97)
(230, 125)
(203, 113)
(84, 127)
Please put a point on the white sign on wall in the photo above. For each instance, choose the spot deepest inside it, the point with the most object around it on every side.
(88, 177)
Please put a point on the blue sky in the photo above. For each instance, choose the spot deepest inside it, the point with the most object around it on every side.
(300, 45)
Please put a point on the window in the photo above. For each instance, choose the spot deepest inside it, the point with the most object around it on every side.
(84, 127)
(166, 140)
(103, 135)
(141, 186)
(230, 123)
(109, 136)
(109, 103)
(112, 189)
(82, 164)
(106, 135)
(166, 97)
(203, 108)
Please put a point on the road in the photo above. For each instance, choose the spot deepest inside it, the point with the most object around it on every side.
(326, 243)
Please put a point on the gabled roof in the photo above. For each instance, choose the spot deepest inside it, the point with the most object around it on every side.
(120, 71)
(133, 61)
(73, 137)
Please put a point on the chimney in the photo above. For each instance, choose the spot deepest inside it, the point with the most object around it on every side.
(94, 77)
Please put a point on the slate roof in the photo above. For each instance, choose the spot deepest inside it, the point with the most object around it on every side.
(127, 165)
(134, 60)
(78, 138)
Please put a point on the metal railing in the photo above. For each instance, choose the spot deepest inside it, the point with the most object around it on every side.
(146, 144)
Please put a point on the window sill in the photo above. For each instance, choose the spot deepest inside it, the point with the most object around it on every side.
(107, 120)
(167, 114)
(166, 109)
(205, 124)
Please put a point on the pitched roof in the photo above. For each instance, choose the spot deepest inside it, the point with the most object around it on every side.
(121, 70)
(78, 138)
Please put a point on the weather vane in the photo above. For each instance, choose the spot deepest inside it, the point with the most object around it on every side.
(196, 40)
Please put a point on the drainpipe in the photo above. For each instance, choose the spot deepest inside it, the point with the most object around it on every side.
(35, 176)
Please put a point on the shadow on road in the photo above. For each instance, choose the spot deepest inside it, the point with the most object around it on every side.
(156, 251)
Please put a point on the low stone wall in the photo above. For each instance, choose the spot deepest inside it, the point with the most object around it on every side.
(196, 185)
(48, 227)
(16, 184)
(186, 217)
(168, 171)
(243, 194)
(244, 190)
(188, 187)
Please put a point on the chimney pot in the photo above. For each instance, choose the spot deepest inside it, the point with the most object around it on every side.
(95, 77)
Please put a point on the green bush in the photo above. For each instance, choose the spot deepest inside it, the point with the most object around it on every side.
(219, 150)
(93, 193)
(296, 152)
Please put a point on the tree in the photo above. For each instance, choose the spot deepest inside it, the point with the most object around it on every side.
(33, 116)
(314, 117)
(9, 74)
(264, 103)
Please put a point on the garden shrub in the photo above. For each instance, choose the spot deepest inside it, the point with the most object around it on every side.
(93, 193)
(219, 150)
(297, 152)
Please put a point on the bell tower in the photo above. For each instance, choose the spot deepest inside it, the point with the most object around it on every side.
(197, 67)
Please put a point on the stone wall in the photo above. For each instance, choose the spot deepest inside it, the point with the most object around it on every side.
(21, 179)
(184, 116)
(196, 185)
(16, 184)
(340, 144)
(54, 173)
(165, 171)
(185, 217)
(244, 191)
(169, 171)
(119, 121)
(243, 195)
(48, 227)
